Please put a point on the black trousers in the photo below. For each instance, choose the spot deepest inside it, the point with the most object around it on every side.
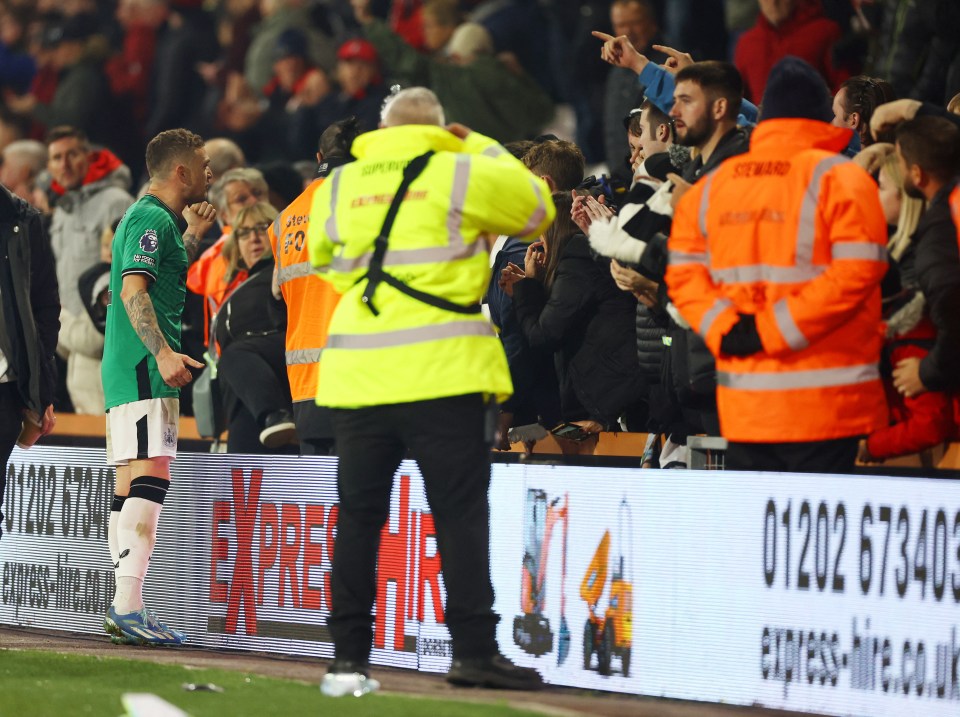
(314, 428)
(11, 421)
(450, 440)
(834, 456)
(255, 374)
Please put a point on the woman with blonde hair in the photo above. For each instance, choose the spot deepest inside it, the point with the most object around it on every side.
(926, 420)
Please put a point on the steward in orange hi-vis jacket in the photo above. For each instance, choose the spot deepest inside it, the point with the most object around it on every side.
(776, 260)
(310, 300)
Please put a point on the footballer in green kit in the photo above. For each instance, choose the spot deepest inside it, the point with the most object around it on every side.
(143, 369)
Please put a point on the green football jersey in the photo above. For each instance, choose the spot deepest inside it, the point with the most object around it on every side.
(148, 241)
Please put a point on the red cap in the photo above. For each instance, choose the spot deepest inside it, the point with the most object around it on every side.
(358, 50)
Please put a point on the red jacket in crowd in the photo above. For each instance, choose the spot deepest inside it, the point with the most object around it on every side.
(808, 34)
(917, 423)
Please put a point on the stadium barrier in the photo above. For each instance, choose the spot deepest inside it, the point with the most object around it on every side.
(816, 593)
(84, 430)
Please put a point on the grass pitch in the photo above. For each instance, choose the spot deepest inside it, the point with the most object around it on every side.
(42, 684)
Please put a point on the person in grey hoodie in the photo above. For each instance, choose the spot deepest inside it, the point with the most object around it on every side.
(92, 189)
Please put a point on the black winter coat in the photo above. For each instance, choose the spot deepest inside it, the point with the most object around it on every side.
(589, 323)
(251, 310)
(30, 300)
(938, 274)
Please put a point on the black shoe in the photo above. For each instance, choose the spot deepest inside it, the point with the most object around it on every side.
(341, 666)
(495, 671)
(278, 429)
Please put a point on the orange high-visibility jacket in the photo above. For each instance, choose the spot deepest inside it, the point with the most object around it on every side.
(207, 276)
(793, 233)
(310, 300)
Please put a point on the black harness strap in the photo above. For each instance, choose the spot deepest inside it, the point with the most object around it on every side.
(375, 273)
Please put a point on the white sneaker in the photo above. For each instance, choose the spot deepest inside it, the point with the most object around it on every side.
(341, 684)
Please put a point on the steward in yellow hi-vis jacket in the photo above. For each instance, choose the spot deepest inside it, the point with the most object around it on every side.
(411, 350)
(776, 260)
(411, 364)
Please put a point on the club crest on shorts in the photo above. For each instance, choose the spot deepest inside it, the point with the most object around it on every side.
(169, 437)
(149, 242)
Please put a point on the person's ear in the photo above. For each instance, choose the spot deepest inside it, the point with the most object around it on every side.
(918, 177)
(550, 182)
(663, 133)
(854, 120)
(720, 108)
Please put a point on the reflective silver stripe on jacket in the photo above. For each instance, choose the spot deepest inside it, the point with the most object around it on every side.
(859, 250)
(276, 227)
(788, 327)
(404, 337)
(402, 257)
(538, 214)
(786, 380)
(494, 150)
(765, 272)
(458, 197)
(294, 271)
(719, 306)
(303, 356)
(807, 226)
(681, 258)
(803, 268)
(331, 225)
(455, 249)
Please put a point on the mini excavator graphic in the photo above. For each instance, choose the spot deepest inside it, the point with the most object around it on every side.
(609, 634)
(531, 630)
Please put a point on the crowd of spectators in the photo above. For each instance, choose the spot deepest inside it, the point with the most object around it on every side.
(585, 315)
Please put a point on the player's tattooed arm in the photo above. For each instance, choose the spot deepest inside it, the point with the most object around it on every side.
(143, 318)
(200, 218)
(191, 242)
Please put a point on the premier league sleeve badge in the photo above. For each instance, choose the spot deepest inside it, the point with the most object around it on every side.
(149, 242)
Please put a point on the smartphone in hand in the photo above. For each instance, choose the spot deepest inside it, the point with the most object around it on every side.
(570, 431)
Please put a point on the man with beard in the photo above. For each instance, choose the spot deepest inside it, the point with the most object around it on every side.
(143, 369)
(928, 149)
(706, 102)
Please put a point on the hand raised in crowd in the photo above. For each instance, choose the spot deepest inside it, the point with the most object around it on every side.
(200, 217)
(906, 377)
(173, 368)
(620, 52)
(644, 289)
(676, 60)
(889, 115)
(586, 210)
(871, 158)
(535, 260)
(680, 187)
(509, 276)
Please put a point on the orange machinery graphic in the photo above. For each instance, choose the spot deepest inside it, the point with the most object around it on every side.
(531, 630)
(609, 634)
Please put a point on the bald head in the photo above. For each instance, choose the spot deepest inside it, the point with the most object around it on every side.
(225, 154)
(414, 105)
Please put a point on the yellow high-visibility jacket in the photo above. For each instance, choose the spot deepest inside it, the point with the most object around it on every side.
(412, 351)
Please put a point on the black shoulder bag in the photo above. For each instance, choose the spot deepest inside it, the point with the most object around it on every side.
(375, 273)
